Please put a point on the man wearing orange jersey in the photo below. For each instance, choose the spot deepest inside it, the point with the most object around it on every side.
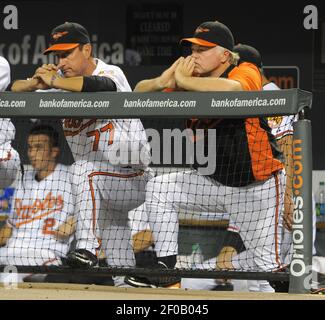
(247, 180)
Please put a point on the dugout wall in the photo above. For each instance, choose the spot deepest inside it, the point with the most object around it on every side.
(157, 106)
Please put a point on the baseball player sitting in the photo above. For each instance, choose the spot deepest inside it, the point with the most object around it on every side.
(9, 158)
(245, 174)
(111, 155)
(39, 228)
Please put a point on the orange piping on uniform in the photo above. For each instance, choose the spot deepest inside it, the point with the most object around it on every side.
(276, 177)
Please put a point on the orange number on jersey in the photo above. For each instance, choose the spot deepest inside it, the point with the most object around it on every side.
(96, 133)
(48, 225)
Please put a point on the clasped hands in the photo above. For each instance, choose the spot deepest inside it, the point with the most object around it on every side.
(182, 67)
(44, 76)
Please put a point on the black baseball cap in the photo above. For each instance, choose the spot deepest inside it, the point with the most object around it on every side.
(248, 54)
(211, 34)
(67, 36)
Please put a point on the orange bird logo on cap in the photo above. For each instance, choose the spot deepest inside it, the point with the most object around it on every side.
(58, 35)
(199, 29)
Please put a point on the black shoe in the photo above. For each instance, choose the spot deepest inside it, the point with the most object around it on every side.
(81, 258)
(227, 286)
(154, 282)
(280, 286)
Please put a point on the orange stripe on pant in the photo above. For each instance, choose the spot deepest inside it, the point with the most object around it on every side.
(92, 191)
(277, 187)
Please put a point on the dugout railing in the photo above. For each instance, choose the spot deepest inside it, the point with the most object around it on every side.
(206, 105)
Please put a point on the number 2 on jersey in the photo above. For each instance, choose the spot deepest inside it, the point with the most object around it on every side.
(48, 226)
(96, 134)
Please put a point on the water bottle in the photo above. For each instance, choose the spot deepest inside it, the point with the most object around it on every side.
(320, 206)
(196, 257)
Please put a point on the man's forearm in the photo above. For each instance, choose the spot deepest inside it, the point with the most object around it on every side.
(207, 84)
(70, 84)
(24, 85)
(148, 85)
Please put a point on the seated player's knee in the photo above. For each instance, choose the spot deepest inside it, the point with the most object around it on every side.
(155, 189)
(159, 187)
(138, 219)
(82, 167)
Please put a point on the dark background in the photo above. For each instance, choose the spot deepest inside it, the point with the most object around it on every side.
(142, 38)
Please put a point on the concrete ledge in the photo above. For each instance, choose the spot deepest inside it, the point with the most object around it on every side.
(49, 291)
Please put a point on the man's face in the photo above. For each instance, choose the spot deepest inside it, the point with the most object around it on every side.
(207, 59)
(40, 152)
(72, 62)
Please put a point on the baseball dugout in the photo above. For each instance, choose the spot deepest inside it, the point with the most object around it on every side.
(225, 174)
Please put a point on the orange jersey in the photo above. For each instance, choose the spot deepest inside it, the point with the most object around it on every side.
(246, 150)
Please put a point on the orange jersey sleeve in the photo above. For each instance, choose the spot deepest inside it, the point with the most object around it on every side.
(248, 75)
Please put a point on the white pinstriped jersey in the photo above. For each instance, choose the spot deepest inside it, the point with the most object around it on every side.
(107, 139)
(116, 141)
(39, 208)
(7, 129)
(4, 74)
(280, 125)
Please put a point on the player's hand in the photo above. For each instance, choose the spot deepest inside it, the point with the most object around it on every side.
(167, 78)
(44, 68)
(36, 81)
(185, 68)
(288, 212)
(47, 77)
(37, 84)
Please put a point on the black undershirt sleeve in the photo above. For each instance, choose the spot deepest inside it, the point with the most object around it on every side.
(97, 84)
